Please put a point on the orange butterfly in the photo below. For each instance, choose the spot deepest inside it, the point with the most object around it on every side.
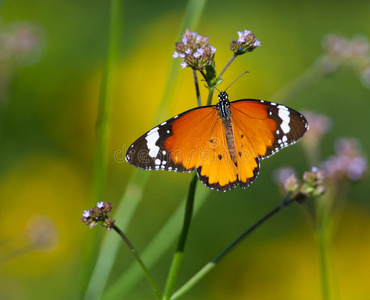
(223, 142)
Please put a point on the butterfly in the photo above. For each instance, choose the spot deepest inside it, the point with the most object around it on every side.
(223, 143)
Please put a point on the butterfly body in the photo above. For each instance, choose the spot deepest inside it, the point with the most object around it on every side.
(223, 142)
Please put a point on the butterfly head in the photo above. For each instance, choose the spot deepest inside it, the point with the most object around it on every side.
(223, 96)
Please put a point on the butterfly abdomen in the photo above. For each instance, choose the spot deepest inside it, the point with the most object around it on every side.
(230, 139)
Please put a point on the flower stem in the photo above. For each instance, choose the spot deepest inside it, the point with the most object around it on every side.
(284, 203)
(197, 91)
(207, 268)
(152, 283)
(210, 95)
(322, 251)
(226, 66)
(322, 236)
(177, 259)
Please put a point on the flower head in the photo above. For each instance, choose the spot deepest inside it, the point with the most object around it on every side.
(287, 178)
(245, 43)
(313, 183)
(348, 162)
(99, 214)
(195, 51)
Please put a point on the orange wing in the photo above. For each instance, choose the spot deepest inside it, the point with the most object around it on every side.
(175, 145)
(217, 169)
(261, 129)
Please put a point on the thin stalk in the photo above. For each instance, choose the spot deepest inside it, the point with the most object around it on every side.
(226, 66)
(210, 95)
(140, 261)
(323, 262)
(103, 130)
(197, 91)
(177, 259)
(322, 237)
(286, 202)
(207, 268)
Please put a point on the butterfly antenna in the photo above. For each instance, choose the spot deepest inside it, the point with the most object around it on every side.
(208, 85)
(236, 79)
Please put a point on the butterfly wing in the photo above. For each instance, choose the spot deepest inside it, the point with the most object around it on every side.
(217, 170)
(175, 145)
(262, 128)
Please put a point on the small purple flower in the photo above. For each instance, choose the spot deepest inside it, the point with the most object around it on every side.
(281, 175)
(243, 35)
(245, 43)
(195, 51)
(347, 163)
(99, 214)
(313, 183)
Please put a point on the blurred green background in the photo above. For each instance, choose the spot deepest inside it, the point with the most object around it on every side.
(48, 105)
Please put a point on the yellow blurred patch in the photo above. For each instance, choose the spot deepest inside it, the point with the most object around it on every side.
(42, 203)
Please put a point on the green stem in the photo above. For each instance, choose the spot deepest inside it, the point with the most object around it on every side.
(322, 235)
(210, 95)
(197, 91)
(226, 66)
(140, 261)
(197, 277)
(205, 270)
(103, 130)
(177, 259)
(323, 262)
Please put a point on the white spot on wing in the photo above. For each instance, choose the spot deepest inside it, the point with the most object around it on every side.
(284, 116)
(157, 161)
(152, 139)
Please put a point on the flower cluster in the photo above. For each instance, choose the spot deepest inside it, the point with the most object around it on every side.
(353, 53)
(195, 51)
(99, 214)
(246, 42)
(348, 162)
(311, 186)
(313, 183)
